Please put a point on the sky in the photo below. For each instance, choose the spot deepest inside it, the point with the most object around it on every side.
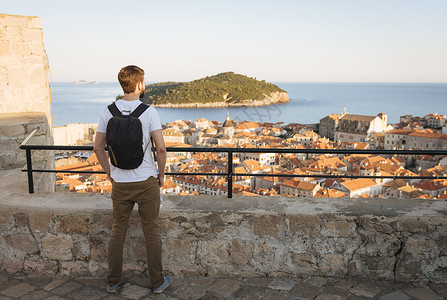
(275, 40)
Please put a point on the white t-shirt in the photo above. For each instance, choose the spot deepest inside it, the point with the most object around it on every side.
(150, 122)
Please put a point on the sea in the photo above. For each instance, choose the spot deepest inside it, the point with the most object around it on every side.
(309, 102)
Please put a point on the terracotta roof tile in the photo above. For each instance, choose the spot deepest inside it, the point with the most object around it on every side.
(432, 185)
(360, 118)
(329, 193)
(358, 183)
(400, 131)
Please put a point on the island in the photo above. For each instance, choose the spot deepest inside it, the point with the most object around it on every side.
(221, 90)
(84, 82)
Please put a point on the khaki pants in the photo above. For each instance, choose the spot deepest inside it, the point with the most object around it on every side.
(147, 195)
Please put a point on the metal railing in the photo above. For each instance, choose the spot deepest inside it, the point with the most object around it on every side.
(230, 151)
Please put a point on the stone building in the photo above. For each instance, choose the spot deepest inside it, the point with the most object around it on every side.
(228, 127)
(299, 188)
(202, 123)
(433, 187)
(356, 128)
(396, 138)
(427, 140)
(360, 186)
(415, 139)
(435, 120)
(399, 188)
(328, 125)
(267, 159)
(304, 138)
(172, 135)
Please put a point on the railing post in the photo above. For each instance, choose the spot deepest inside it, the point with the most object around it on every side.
(230, 174)
(29, 168)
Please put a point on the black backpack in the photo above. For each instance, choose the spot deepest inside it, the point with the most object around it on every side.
(124, 137)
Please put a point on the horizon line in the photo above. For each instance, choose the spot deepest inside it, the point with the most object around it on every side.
(331, 82)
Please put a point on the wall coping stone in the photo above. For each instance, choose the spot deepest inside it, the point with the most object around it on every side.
(23, 118)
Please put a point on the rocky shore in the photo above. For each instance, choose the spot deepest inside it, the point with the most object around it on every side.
(277, 97)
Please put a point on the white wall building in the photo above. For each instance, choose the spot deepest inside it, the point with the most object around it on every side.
(435, 120)
(74, 134)
(172, 135)
(357, 187)
(355, 128)
(267, 159)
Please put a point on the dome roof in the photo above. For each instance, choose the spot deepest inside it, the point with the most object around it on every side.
(228, 122)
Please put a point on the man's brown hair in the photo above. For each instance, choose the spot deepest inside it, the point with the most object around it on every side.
(129, 77)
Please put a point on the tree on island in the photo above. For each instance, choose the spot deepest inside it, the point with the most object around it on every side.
(228, 87)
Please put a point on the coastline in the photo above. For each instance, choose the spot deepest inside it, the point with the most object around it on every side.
(277, 97)
(309, 102)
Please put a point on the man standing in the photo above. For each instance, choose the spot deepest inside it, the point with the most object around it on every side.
(140, 185)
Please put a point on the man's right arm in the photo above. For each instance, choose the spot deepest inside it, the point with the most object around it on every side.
(99, 149)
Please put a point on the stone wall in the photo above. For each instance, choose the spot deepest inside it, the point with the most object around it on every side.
(14, 128)
(24, 94)
(24, 84)
(369, 239)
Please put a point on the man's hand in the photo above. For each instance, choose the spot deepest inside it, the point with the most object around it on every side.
(108, 177)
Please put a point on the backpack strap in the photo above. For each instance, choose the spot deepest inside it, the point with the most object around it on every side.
(114, 110)
(136, 113)
(153, 150)
(139, 110)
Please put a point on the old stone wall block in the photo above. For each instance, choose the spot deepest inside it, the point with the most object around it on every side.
(57, 247)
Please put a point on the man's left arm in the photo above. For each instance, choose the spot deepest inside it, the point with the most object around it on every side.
(157, 136)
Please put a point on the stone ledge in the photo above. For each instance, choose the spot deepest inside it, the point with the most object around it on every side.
(368, 239)
(13, 184)
(22, 118)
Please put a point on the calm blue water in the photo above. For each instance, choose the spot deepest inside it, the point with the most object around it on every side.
(309, 102)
